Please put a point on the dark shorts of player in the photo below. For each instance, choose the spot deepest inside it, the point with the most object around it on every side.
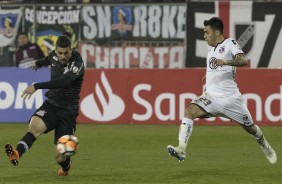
(62, 121)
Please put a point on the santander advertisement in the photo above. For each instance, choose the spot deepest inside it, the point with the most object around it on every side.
(153, 96)
(142, 96)
(13, 82)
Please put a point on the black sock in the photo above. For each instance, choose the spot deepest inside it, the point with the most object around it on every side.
(25, 143)
(66, 164)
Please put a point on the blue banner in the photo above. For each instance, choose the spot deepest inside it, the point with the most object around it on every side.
(13, 81)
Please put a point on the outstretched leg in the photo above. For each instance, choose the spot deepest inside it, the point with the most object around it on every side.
(13, 154)
(261, 140)
(36, 128)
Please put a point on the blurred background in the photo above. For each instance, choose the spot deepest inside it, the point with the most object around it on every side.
(104, 30)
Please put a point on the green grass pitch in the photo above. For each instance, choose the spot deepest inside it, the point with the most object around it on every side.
(133, 154)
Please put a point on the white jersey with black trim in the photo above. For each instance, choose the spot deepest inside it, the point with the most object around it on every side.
(220, 81)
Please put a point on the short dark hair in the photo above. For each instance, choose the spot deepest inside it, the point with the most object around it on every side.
(63, 41)
(68, 34)
(215, 23)
(22, 33)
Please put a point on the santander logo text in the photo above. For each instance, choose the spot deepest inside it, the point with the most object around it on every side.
(103, 105)
(153, 96)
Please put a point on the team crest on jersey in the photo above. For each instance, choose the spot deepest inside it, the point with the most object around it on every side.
(222, 49)
(74, 69)
(212, 64)
(55, 58)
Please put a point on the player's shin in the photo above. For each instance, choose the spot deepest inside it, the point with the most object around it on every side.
(63, 161)
(25, 143)
(185, 131)
(266, 148)
(260, 137)
(65, 164)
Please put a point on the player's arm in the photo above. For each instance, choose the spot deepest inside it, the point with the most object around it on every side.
(239, 60)
(53, 84)
(40, 52)
(61, 82)
(41, 62)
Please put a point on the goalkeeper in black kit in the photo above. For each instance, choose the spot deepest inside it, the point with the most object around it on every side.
(60, 110)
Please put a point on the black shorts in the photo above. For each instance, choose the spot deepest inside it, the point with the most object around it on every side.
(63, 121)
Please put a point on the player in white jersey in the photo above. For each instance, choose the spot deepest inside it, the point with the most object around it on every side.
(221, 96)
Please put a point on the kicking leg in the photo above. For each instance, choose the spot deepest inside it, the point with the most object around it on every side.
(36, 128)
(261, 140)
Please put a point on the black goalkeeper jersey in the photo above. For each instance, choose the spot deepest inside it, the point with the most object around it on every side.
(66, 80)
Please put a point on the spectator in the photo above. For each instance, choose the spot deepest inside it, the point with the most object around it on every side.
(27, 52)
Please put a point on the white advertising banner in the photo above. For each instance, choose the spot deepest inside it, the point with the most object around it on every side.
(9, 24)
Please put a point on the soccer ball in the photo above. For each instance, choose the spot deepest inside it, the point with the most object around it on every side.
(67, 145)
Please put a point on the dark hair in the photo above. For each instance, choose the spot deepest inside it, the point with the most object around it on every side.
(215, 23)
(63, 41)
(68, 34)
(21, 33)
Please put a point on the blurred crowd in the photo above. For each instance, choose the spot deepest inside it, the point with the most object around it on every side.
(90, 1)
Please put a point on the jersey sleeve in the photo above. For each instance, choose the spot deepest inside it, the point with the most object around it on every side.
(45, 61)
(75, 70)
(40, 52)
(53, 84)
(235, 48)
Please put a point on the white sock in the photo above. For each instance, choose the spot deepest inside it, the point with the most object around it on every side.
(185, 130)
(259, 137)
